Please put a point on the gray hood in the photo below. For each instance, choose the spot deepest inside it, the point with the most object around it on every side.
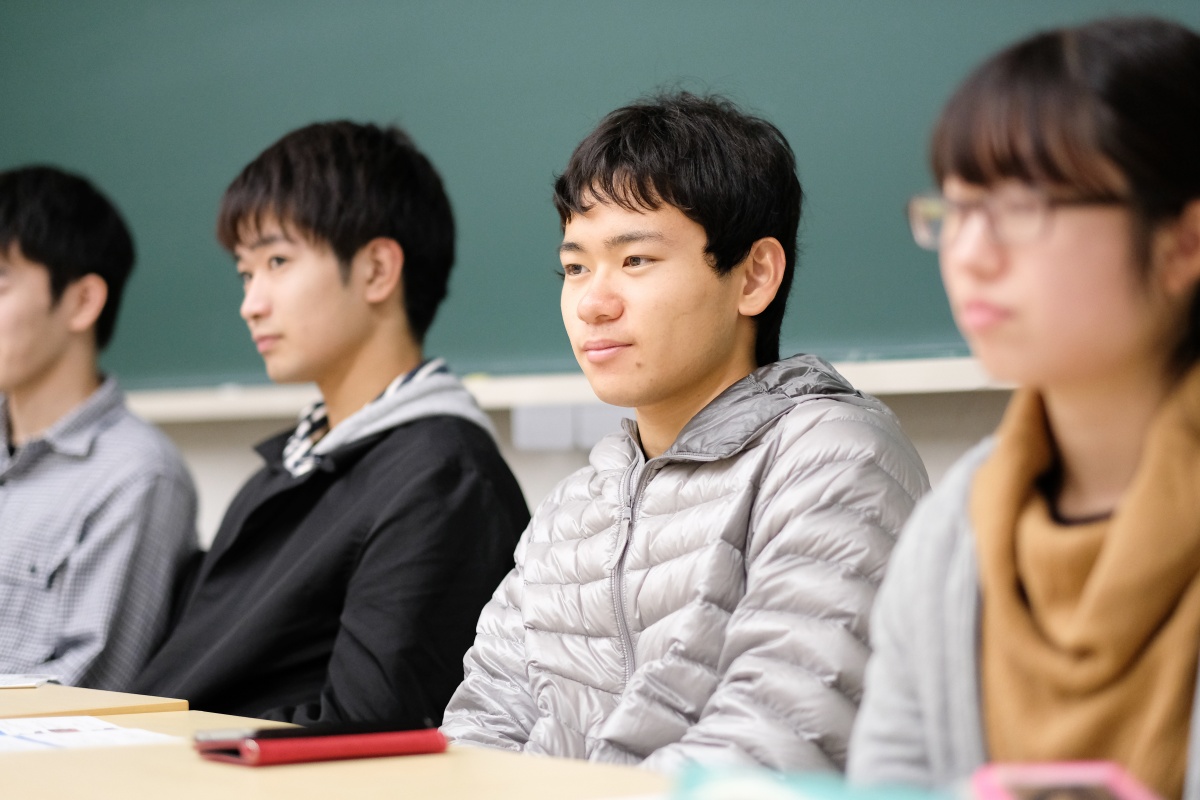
(440, 394)
(736, 416)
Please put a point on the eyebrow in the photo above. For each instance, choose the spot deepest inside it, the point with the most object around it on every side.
(262, 241)
(616, 241)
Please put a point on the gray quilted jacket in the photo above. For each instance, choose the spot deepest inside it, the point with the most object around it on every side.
(710, 604)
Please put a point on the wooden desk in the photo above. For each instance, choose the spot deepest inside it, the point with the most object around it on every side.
(53, 700)
(175, 771)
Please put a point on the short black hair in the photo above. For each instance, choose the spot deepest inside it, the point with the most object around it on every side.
(62, 222)
(345, 183)
(1109, 109)
(732, 173)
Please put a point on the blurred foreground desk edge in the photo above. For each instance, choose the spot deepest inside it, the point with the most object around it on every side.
(52, 700)
(175, 771)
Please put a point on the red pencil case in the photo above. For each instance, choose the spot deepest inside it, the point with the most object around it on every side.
(265, 746)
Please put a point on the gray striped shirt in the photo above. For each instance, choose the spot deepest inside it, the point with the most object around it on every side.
(96, 517)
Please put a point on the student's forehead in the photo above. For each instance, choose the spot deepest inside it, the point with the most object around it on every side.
(14, 257)
(607, 220)
(254, 233)
(956, 186)
(11, 252)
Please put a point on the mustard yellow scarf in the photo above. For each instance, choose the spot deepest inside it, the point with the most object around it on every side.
(1090, 632)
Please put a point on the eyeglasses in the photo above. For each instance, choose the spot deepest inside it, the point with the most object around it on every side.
(1013, 217)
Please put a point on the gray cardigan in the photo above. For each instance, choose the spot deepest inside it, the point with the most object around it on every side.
(710, 604)
(920, 722)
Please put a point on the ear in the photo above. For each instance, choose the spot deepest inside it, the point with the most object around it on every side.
(1178, 252)
(83, 300)
(381, 262)
(762, 272)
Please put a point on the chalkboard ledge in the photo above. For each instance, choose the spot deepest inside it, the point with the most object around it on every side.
(235, 402)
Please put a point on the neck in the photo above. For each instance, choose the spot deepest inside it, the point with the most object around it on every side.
(36, 405)
(659, 424)
(362, 376)
(1099, 432)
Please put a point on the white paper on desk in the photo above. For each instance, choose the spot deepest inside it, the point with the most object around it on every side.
(16, 681)
(52, 733)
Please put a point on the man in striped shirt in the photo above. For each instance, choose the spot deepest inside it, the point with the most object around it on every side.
(97, 511)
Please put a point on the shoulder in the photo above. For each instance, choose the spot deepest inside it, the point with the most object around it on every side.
(939, 535)
(839, 482)
(447, 465)
(438, 442)
(825, 430)
(129, 447)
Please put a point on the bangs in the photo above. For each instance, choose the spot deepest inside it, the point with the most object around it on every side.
(1028, 115)
(235, 226)
(617, 184)
(272, 189)
(247, 205)
(639, 157)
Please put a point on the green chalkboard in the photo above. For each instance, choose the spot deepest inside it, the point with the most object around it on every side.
(163, 102)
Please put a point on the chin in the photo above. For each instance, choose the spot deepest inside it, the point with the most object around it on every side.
(280, 374)
(612, 391)
(1004, 367)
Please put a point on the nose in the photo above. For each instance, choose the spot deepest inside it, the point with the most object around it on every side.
(255, 303)
(600, 300)
(973, 247)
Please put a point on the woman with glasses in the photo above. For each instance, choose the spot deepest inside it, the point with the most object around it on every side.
(1044, 601)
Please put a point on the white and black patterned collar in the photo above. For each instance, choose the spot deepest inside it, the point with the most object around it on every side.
(298, 456)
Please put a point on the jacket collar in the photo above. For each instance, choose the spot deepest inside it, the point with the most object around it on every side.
(735, 417)
(438, 393)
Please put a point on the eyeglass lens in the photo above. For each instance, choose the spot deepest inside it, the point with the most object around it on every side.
(1012, 218)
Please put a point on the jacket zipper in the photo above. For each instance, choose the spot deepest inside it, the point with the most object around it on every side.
(630, 495)
(629, 508)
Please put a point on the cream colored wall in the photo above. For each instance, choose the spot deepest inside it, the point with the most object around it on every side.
(220, 455)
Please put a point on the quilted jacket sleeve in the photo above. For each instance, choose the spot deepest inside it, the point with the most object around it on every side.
(493, 706)
(841, 485)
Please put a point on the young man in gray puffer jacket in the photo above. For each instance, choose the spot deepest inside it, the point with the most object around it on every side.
(701, 591)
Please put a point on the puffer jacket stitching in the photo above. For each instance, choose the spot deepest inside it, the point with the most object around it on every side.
(682, 658)
(792, 723)
(564, 724)
(874, 521)
(844, 569)
(500, 712)
(615, 746)
(576, 681)
(824, 622)
(831, 683)
(817, 464)
(503, 640)
(857, 420)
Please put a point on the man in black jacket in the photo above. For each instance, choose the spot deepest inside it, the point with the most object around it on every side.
(347, 575)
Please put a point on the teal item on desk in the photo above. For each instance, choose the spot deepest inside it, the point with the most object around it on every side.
(700, 783)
